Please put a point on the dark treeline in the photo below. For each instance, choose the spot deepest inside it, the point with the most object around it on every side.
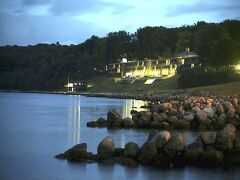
(47, 66)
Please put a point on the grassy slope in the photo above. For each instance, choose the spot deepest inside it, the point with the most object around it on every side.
(108, 84)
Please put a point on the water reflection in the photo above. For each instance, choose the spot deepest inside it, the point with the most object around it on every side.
(74, 120)
(132, 104)
(74, 114)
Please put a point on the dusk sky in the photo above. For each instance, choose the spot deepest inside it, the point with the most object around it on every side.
(24, 22)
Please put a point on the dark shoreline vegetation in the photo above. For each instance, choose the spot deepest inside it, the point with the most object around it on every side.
(47, 66)
(164, 149)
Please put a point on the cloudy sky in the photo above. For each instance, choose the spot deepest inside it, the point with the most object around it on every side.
(25, 22)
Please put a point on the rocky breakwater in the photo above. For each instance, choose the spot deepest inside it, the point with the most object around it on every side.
(165, 149)
(184, 113)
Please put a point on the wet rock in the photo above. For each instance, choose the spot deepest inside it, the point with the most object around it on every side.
(231, 112)
(181, 124)
(147, 152)
(187, 106)
(172, 112)
(101, 122)
(60, 156)
(201, 115)
(226, 137)
(163, 116)
(167, 106)
(172, 119)
(209, 138)
(212, 158)
(155, 124)
(77, 153)
(209, 112)
(114, 119)
(237, 143)
(128, 162)
(161, 160)
(189, 117)
(235, 102)
(219, 108)
(128, 122)
(145, 118)
(92, 124)
(154, 109)
(175, 145)
(131, 150)
(119, 152)
(196, 109)
(227, 105)
(106, 147)
(157, 117)
(160, 139)
(196, 147)
(164, 125)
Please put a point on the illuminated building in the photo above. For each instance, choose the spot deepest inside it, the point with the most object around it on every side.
(76, 86)
(153, 68)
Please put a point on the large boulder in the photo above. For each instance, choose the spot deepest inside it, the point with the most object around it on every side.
(196, 146)
(172, 112)
(156, 117)
(77, 153)
(160, 139)
(101, 122)
(231, 112)
(189, 117)
(209, 112)
(226, 137)
(237, 142)
(201, 115)
(165, 106)
(181, 124)
(227, 105)
(209, 138)
(147, 153)
(193, 152)
(128, 122)
(235, 102)
(219, 108)
(131, 150)
(163, 116)
(187, 106)
(114, 119)
(155, 124)
(145, 118)
(175, 145)
(106, 147)
(172, 119)
(211, 158)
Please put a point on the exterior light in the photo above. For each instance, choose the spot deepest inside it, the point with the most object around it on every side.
(149, 81)
(237, 67)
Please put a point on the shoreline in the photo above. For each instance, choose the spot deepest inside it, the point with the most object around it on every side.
(145, 96)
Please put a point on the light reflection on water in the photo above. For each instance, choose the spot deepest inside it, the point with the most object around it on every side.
(74, 117)
(74, 121)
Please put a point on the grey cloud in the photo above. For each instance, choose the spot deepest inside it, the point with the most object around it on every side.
(35, 2)
(73, 7)
(24, 30)
(199, 7)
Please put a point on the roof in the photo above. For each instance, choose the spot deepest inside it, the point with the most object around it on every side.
(186, 54)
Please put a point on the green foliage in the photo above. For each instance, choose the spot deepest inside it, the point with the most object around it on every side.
(203, 76)
(47, 66)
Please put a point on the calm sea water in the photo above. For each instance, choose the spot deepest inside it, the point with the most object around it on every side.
(35, 127)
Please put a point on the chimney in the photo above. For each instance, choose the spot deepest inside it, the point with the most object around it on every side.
(187, 49)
